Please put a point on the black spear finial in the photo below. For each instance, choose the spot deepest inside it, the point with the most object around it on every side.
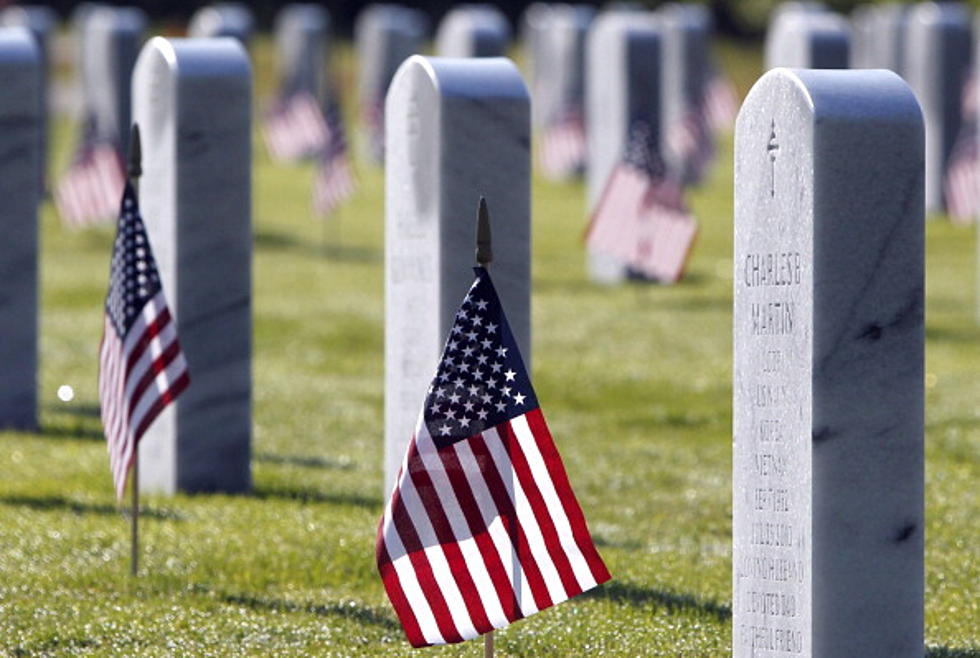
(484, 252)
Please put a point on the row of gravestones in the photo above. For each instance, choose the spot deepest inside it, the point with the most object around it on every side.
(828, 390)
(929, 44)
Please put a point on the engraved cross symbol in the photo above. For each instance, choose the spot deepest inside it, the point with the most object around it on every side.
(773, 149)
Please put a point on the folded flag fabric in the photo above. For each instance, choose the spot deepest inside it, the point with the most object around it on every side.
(482, 527)
(641, 220)
(141, 366)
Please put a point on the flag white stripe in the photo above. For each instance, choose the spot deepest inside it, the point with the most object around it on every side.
(161, 384)
(556, 509)
(166, 336)
(150, 311)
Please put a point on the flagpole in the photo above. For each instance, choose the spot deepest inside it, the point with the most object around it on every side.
(484, 256)
(135, 170)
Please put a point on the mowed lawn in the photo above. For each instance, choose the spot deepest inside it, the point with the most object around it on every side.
(635, 381)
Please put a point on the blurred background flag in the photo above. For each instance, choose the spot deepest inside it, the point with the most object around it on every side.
(89, 191)
(963, 170)
(334, 182)
(294, 128)
(563, 146)
(141, 366)
(482, 527)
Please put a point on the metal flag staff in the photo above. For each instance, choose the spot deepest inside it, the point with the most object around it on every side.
(134, 172)
(484, 256)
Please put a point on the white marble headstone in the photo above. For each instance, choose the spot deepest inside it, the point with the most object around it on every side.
(441, 112)
(476, 30)
(21, 117)
(192, 101)
(937, 65)
(828, 411)
(223, 19)
(878, 37)
(809, 39)
(111, 41)
(561, 88)
(302, 46)
(623, 86)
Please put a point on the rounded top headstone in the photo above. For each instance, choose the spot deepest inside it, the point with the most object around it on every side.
(496, 77)
(17, 45)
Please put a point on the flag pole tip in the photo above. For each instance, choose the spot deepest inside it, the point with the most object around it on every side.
(135, 152)
(484, 251)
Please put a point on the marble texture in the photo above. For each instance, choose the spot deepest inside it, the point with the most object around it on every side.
(809, 39)
(111, 38)
(686, 71)
(473, 30)
(938, 61)
(623, 85)
(828, 381)
(223, 19)
(21, 73)
(386, 35)
(440, 112)
(302, 35)
(192, 100)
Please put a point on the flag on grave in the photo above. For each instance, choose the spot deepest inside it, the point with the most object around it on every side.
(720, 104)
(691, 141)
(963, 168)
(89, 191)
(334, 182)
(482, 527)
(563, 146)
(141, 366)
(641, 220)
(294, 127)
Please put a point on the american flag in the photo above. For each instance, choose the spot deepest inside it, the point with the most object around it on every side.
(720, 104)
(89, 191)
(141, 366)
(294, 128)
(563, 146)
(334, 182)
(641, 219)
(962, 183)
(482, 527)
(691, 142)
(373, 116)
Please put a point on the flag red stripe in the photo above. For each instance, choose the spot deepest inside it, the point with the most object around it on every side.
(135, 351)
(158, 365)
(556, 470)
(166, 397)
(397, 596)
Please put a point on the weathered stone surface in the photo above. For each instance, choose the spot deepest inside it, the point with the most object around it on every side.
(21, 73)
(192, 99)
(440, 112)
(828, 380)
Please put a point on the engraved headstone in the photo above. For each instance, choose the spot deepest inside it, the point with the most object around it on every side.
(938, 61)
(20, 115)
(302, 46)
(810, 40)
(386, 36)
(686, 70)
(223, 19)
(623, 89)
(828, 379)
(440, 112)
(473, 31)
(111, 40)
(42, 23)
(192, 101)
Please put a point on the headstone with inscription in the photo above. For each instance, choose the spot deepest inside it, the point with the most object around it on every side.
(111, 40)
(810, 40)
(440, 112)
(223, 19)
(386, 36)
(192, 100)
(828, 380)
(302, 46)
(623, 90)
(20, 115)
(937, 65)
(473, 31)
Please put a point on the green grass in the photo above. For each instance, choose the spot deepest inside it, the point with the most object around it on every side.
(636, 383)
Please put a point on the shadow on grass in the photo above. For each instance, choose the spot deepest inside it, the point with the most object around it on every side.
(49, 431)
(351, 610)
(62, 504)
(308, 495)
(278, 241)
(84, 410)
(950, 652)
(959, 335)
(627, 545)
(305, 462)
(632, 594)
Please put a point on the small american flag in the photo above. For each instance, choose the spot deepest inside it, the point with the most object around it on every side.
(691, 141)
(89, 191)
(141, 366)
(373, 117)
(334, 182)
(720, 104)
(563, 146)
(482, 527)
(294, 128)
(641, 220)
(962, 183)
